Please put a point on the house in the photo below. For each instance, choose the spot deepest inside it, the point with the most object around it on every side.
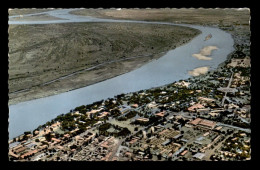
(66, 135)
(134, 105)
(195, 107)
(20, 150)
(28, 154)
(13, 155)
(103, 114)
(214, 114)
(206, 100)
(161, 114)
(182, 84)
(92, 112)
(142, 119)
(184, 152)
(151, 105)
(219, 127)
(206, 134)
(203, 111)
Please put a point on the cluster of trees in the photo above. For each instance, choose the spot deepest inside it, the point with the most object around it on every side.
(241, 124)
(120, 131)
(152, 120)
(104, 127)
(115, 112)
(244, 71)
(129, 115)
(110, 104)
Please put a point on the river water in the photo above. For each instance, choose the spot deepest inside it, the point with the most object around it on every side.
(173, 66)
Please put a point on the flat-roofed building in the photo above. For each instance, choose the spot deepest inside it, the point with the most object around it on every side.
(207, 124)
(161, 114)
(195, 107)
(203, 123)
(199, 155)
(184, 152)
(142, 119)
(28, 154)
(195, 122)
(134, 105)
(13, 155)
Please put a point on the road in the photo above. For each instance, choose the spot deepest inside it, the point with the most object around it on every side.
(115, 150)
(229, 83)
(209, 152)
(234, 127)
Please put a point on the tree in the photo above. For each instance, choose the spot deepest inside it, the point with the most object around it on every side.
(27, 132)
(48, 137)
(159, 157)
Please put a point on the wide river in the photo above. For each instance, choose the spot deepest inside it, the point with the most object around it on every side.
(173, 66)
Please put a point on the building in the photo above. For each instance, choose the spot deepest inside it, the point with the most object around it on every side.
(195, 107)
(207, 124)
(103, 114)
(184, 152)
(195, 122)
(134, 105)
(142, 119)
(199, 155)
(202, 123)
(28, 154)
(161, 114)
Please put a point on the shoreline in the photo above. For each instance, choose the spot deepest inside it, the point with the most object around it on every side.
(64, 90)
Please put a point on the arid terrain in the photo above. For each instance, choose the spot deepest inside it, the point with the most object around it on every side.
(39, 54)
(24, 11)
(183, 15)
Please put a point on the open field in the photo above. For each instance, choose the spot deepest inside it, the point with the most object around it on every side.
(39, 54)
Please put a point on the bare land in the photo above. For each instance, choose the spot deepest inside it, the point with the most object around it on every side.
(39, 54)
(24, 11)
(40, 17)
(182, 15)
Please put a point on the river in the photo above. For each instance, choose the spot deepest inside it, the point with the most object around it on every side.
(173, 66)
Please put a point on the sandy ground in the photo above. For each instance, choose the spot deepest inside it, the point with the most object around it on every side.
(204, 52)
(42, 53)
(199, 71)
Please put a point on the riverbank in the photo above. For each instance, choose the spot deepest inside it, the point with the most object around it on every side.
(24, 11)
(234, 21)
(109, 49)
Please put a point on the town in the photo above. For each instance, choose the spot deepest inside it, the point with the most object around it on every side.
(206, 117)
